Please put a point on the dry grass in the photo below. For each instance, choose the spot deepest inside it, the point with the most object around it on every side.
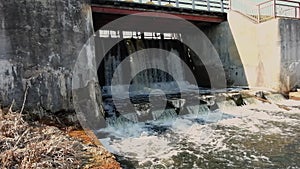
(25, 145)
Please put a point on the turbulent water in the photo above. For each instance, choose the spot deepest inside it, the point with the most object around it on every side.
(160, 120)
(259, 134)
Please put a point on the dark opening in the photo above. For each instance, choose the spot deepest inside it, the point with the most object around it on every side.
(120, 51)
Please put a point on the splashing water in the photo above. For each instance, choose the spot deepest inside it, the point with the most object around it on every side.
(206, 138)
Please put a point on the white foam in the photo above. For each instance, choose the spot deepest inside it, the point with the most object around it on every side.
(145, 146)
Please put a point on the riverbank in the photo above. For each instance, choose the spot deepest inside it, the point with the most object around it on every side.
(26, 143)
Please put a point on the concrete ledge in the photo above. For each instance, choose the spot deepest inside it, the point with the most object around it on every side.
(294, 95)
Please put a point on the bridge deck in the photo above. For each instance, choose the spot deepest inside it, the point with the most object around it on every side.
(109, 10)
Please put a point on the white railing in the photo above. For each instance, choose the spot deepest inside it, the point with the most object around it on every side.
(207, 5)
(290, 9)
(246, 7)
(268, 9)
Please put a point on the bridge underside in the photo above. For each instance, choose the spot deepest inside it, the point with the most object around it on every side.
(106, 11)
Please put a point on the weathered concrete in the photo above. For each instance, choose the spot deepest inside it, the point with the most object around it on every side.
(221, 37)
(256, 47)
(269, 51)
(290, 53)
(40, 41)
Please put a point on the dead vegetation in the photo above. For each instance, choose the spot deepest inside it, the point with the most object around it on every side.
(30, 144)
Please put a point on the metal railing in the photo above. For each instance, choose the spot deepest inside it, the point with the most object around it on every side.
(287, 8)
(268, 9)
(246, 7)
(207, 5)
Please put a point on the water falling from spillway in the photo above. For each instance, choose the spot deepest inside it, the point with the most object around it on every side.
(127, 60)
(156, 108)
(124, 61)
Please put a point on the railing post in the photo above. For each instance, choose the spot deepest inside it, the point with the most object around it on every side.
(208, 5)
(298, 9)
(258, 13)
(193, 4)
(177, 3)
(274, 8)
(222, 6)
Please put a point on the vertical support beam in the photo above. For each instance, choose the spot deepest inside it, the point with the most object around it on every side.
(208, 5)
(122, 34)
(193, 4)
(141, 1)
(177, 3)
(159, 2)
(162, 36)
(142, 36)
(222, 6)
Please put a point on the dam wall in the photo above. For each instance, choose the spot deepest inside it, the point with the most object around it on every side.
(290, 54)
(40, 41)
(221, 37)
(269, 51)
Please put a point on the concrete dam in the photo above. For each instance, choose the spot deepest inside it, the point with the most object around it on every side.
(25, 63)
(154, 73)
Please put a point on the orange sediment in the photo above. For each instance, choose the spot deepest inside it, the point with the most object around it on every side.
(100, 158)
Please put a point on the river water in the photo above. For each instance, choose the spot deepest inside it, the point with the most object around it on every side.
(160, 120)
(257, 134)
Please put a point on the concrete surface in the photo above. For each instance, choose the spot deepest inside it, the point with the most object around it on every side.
(290, 53)
(40, 41)
(269, 51)
(222, 38)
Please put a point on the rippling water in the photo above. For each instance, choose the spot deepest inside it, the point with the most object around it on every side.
(258, 134)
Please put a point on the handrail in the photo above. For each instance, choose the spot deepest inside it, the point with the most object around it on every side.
(207, 5)
(292, 1)
(246, 7)
(264, 2)
(268, 9)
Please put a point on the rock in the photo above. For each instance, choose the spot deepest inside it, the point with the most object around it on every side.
(237, 98)
(261, 94)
